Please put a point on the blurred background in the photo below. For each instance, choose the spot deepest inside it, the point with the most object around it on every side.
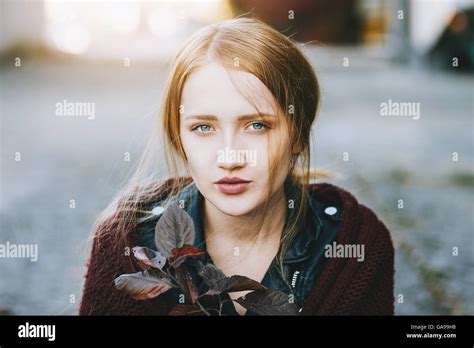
(59, 172)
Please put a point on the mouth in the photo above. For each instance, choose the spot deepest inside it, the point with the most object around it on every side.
(232, 186)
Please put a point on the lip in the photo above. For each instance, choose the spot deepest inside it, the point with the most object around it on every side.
(233, 185)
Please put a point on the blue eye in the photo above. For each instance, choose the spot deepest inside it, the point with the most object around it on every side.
(259, 126)
(202, 128)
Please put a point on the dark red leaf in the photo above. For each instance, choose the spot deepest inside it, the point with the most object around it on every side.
(186, 309)
(218, 282)
(149, 258)
(174, 229)
(142, 285)
(180, 254)
(233, 284)
(210, 273)
(268, 302)
(186, 283)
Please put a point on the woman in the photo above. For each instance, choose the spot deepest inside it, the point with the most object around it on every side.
(237, 117)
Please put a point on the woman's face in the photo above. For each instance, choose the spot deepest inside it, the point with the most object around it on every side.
(223, 136)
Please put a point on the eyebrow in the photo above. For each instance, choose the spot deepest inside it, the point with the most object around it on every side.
(240, 118)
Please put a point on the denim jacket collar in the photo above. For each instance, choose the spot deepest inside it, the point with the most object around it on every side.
(193, 202)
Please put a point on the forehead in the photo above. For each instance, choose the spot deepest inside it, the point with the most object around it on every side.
(215, 90)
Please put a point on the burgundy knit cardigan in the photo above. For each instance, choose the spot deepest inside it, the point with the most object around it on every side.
(345, 286)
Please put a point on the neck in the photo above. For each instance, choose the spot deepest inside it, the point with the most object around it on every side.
(244, 228)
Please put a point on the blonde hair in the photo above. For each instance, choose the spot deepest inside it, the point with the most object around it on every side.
(276, 61)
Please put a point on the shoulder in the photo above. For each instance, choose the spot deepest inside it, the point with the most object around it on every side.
(359, 275)
(358, 222)
(154, 206)
(141, 199)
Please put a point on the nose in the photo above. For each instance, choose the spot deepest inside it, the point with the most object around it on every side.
(230, 157)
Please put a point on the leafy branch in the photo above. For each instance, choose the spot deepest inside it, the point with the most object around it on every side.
(176, 264)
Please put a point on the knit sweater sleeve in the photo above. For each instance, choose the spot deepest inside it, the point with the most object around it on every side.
(100, 297)
(379, 297)
(350, 287)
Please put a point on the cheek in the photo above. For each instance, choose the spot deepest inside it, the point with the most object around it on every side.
(200, 153)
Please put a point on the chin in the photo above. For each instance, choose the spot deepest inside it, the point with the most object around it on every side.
(234, 205)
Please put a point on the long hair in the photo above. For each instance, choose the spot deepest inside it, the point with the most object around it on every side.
(242, 44)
